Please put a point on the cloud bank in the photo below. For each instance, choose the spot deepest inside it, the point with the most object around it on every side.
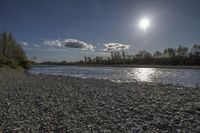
(69, 43)
(115, 47)
(76, 44)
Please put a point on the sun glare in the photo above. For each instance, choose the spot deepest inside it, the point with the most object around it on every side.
(144, 23)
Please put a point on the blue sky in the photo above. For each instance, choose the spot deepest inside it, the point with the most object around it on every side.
(97, 22)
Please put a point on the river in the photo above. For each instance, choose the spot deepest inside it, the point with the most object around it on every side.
(181, 77)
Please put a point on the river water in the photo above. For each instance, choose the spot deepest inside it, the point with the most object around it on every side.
(182, 77)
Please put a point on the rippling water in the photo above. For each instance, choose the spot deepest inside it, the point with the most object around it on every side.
(183, 77)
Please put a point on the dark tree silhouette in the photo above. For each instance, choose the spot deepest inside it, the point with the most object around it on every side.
(170, 56)
(11, 53)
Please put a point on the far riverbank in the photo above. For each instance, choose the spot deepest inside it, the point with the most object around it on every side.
(125, 65)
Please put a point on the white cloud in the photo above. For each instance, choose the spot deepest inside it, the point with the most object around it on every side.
(115, 47)
(36, 45)
(24, 44)
(29, 45)
(53, 43)
(69, 43)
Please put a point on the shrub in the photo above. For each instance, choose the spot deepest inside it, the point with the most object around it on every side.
(11, 53)
(25, 64)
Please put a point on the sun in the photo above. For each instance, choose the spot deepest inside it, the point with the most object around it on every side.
(144, 23)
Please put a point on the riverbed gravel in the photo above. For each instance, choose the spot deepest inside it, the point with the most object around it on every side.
(46, 103)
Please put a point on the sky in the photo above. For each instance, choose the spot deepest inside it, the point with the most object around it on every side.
(58, 30)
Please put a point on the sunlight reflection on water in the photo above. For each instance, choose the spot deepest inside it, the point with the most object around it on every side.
(142, 74)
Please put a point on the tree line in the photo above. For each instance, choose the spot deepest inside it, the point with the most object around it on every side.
(11, 52)
(169, 56)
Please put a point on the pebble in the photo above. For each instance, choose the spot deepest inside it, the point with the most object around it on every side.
(46, 103)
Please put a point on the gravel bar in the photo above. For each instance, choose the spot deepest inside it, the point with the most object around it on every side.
(46, 103)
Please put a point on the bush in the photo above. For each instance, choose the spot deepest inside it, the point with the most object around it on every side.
(11, 53)
(25, 64)
(12, 63)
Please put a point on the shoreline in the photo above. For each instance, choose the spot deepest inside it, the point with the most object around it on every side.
(47, 103)
(134, 66)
